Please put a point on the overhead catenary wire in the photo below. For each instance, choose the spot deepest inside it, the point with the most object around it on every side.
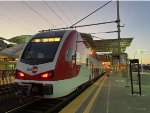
(87, 25)
(15, 13)
(94, 24)
(62, 11)
(60, 17)
(128, 11)
(19, 27)
(71, 10)
(38, 14)
(49, 7)
(15, 23)
(105, 32)
(91, 13)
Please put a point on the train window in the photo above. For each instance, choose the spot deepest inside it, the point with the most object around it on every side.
(78, 58)
(40, 52)
(69, 55)
(40, 55)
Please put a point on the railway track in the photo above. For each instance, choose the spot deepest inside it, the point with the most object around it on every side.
(14, 102)
(7, 91)
(39, 105)
(9, 99)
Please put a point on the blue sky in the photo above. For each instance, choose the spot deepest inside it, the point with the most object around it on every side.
(16, 18)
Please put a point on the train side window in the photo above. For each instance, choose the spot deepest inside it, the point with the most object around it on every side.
(69, 55)
(78, 58)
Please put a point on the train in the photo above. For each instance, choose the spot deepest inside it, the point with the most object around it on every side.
(55, 63)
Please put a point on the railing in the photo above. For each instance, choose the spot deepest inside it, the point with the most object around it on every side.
(7, 76)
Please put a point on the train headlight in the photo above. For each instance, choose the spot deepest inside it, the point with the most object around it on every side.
(46, 75)
(20, 74)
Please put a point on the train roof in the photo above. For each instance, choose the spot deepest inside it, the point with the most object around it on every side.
(105, 45)
(54, 33)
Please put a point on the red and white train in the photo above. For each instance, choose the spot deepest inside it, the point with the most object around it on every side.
(54, 63)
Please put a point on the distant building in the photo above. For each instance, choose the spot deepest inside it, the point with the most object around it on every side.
(5, 44)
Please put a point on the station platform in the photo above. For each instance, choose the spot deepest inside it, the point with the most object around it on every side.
(110, 95)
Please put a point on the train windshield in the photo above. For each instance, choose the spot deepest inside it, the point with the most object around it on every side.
(40, 50)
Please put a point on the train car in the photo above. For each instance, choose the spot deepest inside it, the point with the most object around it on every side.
(55, 63)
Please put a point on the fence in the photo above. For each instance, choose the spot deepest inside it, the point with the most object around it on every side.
(7, 76)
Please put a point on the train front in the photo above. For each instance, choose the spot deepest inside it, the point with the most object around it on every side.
(36, 66)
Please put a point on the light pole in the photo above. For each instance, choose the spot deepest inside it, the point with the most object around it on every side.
(140, 52)
(137, 52)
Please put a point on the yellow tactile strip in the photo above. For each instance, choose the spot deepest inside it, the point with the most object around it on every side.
(76, 103)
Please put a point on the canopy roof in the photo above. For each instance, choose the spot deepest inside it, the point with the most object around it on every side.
(109, 45)
(106, 45)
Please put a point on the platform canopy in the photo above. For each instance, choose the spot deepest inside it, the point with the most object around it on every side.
(109, 45)
(12, 52)
(106, 45)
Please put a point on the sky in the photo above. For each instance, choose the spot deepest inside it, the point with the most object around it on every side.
(29, 17)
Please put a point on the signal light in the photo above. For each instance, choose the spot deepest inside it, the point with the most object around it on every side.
(91, 52)
(103, 63)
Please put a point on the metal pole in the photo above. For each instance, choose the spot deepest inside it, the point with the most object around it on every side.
(131, 78)
(139, 80)
(127, 71)
(118, 26)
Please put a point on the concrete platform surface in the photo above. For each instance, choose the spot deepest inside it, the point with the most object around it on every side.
(110, 95)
